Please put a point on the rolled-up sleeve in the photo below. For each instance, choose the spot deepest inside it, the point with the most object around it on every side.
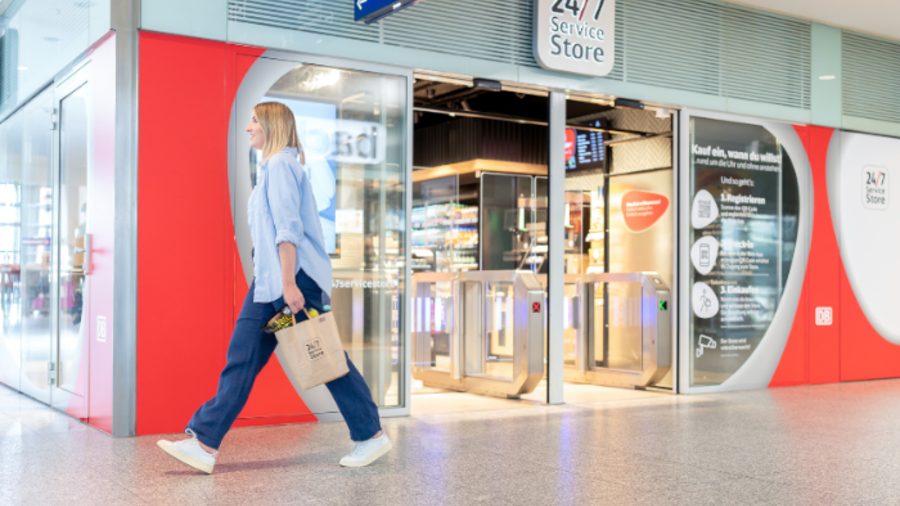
(284, 202)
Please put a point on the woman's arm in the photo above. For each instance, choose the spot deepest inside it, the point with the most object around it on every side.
(284, 204)
(293, 297)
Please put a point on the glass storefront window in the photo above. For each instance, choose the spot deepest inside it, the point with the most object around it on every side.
(26, 205)
(352, 126)
(743, 227)
(10, 249)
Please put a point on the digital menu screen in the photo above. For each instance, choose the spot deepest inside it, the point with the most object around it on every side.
(585, 149)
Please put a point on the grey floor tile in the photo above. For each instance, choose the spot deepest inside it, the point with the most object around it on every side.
(816, 445)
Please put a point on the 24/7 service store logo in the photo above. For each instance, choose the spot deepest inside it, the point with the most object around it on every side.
(576, 36)
(875, 188)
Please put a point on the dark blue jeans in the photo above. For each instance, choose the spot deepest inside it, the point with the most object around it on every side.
(248, 352)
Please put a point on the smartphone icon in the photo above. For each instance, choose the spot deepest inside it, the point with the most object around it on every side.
(704, 255)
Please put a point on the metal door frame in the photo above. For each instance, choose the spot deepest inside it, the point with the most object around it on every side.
(556, 270)
(79, 78)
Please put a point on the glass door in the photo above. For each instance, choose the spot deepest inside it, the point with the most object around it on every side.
(617, 224)
(72, 256)
(30, 268)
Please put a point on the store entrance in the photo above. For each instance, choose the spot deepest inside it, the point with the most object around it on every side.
(479, 246)
(619, 246)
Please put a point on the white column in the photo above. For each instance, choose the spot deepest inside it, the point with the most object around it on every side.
(556, 240)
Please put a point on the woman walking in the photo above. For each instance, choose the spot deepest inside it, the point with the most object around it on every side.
(290, 267)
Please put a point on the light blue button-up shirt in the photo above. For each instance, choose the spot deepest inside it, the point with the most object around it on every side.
(282, 209)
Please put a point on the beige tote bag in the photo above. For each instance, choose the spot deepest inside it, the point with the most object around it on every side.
(313, 350)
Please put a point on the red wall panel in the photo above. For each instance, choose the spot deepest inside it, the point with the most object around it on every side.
(793, 368)
(824, 269)
(849, 349)
(182, 188)
(191, 283)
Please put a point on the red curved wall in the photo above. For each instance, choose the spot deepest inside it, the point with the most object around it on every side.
(190, 280)
(849, 349)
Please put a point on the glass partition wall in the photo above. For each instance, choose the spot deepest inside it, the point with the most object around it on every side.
(26, 207)
(363, 169)
(352, 125)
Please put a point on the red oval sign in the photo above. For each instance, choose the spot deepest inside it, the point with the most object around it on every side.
(642, 210)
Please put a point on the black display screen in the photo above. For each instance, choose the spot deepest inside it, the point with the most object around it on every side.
(585, 149)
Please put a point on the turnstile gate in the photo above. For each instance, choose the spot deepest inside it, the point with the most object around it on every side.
(484, 331)
(622, 330)
(479, 331)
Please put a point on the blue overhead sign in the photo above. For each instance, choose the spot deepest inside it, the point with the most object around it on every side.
(372, 10)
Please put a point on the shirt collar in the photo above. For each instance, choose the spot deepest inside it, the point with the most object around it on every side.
(292, 152)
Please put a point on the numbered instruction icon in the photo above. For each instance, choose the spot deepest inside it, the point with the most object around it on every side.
(704, 300)
(704, 254)
(704, 210)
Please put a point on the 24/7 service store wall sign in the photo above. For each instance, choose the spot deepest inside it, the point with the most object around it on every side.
(576, 36)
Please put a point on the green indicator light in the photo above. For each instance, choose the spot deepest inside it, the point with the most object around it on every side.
(663, 305)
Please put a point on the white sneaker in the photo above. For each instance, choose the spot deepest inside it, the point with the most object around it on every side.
(189, 451)
(366, 452)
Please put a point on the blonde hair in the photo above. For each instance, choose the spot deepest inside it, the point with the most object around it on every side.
(277, 123)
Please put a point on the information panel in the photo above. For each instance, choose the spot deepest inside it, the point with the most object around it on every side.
(735, 243)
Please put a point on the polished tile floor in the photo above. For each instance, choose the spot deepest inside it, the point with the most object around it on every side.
(823, 445)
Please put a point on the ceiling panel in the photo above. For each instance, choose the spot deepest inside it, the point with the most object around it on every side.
(875, 17)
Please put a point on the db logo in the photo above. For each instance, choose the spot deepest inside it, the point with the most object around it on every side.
(823, 316)
(535, 307)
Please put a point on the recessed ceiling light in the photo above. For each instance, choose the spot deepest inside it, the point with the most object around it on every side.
(23, 68)
(827, 78)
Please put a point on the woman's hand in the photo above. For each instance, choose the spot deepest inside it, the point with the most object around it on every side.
(294, 298)
(292, 295)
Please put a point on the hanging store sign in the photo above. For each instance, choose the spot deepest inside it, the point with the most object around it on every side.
(370, 11)
(576, 36)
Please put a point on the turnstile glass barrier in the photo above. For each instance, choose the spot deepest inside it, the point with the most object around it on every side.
(618, 329)
(478, 331)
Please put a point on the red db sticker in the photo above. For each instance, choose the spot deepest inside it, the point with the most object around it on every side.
(535, 307)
